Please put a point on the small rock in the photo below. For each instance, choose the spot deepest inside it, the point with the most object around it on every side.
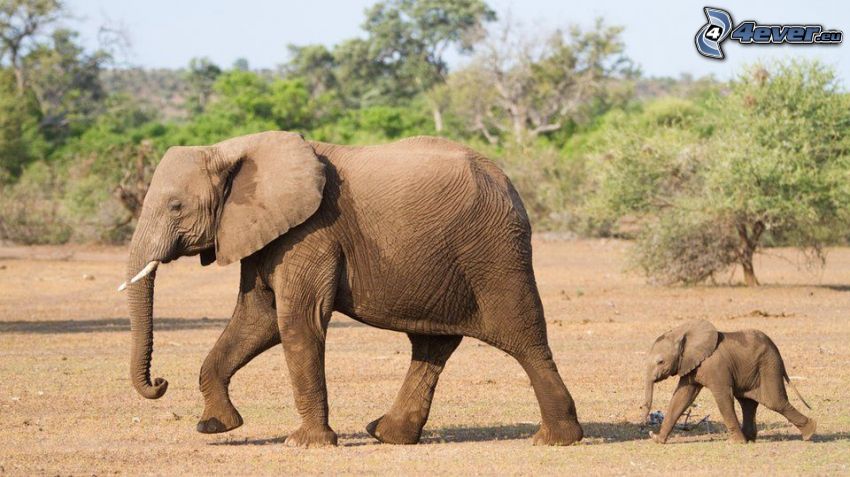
(16, 398)
(88, 277)
(137, 419)
(656, 418)
(3, 267)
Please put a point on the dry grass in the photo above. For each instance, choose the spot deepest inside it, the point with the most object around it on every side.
(67, 405)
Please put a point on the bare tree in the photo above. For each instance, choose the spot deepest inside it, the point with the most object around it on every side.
(525, 85)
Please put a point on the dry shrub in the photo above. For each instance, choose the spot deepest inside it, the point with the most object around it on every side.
(681, 248)
(30, 211)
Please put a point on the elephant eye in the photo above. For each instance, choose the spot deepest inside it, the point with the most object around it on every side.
(174, 205)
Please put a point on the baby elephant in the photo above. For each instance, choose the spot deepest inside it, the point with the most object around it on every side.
(745, 365)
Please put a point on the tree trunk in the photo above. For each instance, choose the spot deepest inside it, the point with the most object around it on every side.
(18, 69)
(438, 117)
(749, 273)
(749, 244)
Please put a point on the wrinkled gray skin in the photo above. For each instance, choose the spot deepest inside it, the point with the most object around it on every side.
(422, 236)
(743, 365)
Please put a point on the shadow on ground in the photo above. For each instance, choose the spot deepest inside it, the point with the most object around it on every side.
(595, 433)
(123, 324)
(613, 433)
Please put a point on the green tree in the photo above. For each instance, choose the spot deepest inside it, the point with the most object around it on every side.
(710, 183)
(315, 65)
(200, 78)
(66, 82)
(411, 37)
(241, 64)
(20, 138)
(22, 22)
(783, 173)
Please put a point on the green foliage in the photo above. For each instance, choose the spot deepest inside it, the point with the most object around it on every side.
(20, 138)
(375, 124)
(766, 162)
(200, 79)
(789, 168)
(66, 82)
(410, 37)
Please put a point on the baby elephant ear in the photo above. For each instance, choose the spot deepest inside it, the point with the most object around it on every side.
(275, 183)
(699, 340)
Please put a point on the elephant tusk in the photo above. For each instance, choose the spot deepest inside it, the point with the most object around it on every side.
(149, 268)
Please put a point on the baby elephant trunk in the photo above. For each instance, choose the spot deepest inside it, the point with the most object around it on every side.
(647, 403)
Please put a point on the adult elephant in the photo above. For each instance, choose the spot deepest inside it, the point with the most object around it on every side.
(422, 236)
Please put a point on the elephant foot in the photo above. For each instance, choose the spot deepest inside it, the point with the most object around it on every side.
(394, 431)
(564, 433)
(657, 438)
(737, 438)
(809, 429)
(215, 422)
(312, 436)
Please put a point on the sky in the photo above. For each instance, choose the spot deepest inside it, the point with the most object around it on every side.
(659, 35)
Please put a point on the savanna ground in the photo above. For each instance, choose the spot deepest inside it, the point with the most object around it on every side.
(67, 406)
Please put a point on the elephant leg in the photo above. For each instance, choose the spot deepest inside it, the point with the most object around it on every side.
(558, 411)
(806, 425)
(403, 423)
(748, 415)
(772, 395)
(305, 298)
(683, 397)
(252, 330)
(726, 403)
(303, 338)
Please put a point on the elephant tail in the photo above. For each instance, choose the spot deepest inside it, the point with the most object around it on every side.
(788, 380)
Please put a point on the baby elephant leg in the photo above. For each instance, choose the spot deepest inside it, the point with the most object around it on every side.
(774, 397)
(683, 397)
(403, 423)
(748, 411)
(806, 425)
(723, 397)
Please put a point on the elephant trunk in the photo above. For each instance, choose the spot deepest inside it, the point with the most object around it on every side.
(647, 404)
(140, 300)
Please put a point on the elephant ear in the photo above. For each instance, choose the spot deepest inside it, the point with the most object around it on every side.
(697, 340)
(272, 182)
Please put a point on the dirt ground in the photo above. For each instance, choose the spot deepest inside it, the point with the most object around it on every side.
(67, 406)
